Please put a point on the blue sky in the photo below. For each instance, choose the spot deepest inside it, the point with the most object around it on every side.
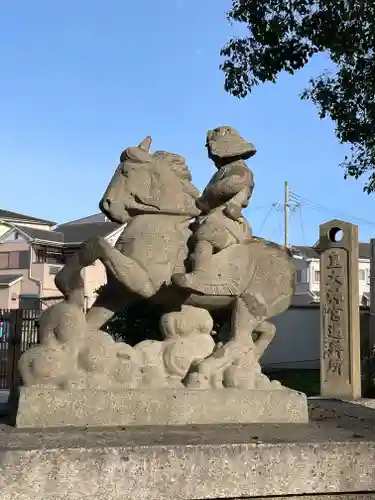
(82, 80)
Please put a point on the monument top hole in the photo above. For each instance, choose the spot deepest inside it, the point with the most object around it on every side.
(335, 234)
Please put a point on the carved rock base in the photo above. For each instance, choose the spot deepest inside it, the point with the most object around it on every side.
(94, 408)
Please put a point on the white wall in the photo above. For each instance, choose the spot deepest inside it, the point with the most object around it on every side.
(308, 272)
(297, 340)
(302, 276)
(314, 275)
(364, 277)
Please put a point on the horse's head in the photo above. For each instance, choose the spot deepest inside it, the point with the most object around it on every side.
(146, 183)
(112, 203)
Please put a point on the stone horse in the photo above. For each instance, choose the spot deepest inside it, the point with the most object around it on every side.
(154, 196)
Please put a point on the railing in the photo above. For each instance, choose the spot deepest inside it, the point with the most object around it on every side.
(18, 332)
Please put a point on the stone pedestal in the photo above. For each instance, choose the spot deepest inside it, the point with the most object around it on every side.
(333, 454)
(94, 408)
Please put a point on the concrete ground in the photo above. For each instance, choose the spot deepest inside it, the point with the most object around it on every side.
(333, 454)
(333, 412)
(334, 417)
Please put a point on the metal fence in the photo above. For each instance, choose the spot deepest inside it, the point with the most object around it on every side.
(18, 332)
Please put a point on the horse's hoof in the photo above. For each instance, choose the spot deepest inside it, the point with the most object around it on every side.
(180, 279)
(89, 251)
(185, 281)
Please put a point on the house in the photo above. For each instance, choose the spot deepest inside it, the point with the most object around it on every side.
(307, 262)
(7, 217)
(31, 256)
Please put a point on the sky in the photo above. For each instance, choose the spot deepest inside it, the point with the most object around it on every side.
(82, 80)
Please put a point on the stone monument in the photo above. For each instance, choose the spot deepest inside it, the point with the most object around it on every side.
(339, 307)
(194, 254)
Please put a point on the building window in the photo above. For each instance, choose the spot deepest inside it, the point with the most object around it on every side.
(316, 276)
(362, 275)
(4, 260)
(302, 276)
(14, 260)
(54, 270)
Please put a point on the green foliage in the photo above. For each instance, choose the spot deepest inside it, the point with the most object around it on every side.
(140, 321)
(284, 34)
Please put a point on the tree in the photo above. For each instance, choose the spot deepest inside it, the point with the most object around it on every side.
(140, 321)
(283, 36)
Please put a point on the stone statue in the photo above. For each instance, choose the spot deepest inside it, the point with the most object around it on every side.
(193, 254)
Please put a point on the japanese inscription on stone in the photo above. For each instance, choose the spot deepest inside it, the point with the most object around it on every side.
(340, 363)
(335, 343)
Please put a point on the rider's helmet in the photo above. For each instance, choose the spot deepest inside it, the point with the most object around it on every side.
(226, 143)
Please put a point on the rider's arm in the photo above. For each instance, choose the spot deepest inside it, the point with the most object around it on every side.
(234, 206)
(229, 185)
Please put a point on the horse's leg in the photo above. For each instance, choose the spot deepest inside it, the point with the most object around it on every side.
(239, 345)
(109, 301)
(266, 331)
(125, 270)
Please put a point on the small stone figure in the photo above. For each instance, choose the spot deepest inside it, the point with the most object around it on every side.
(222, 202)
(62, 330)
(233, 184)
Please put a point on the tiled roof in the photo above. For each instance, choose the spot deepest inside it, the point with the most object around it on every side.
(308, 252)
(7, 215)
(44, 235)
(7, 279)
(77, 233)
(68, 234)
(364, 251)
(88, 220)
(312, 253)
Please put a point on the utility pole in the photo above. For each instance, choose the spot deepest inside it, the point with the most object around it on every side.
(286, 213)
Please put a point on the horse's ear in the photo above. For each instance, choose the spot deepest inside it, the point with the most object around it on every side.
(146, 143)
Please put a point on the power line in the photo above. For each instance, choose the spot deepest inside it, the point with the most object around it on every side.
(279, 231)
(266, 218)
(260, 207)
(302, 226)
(276, 232)
(286, 212)
(321, 208)
(294, 203)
